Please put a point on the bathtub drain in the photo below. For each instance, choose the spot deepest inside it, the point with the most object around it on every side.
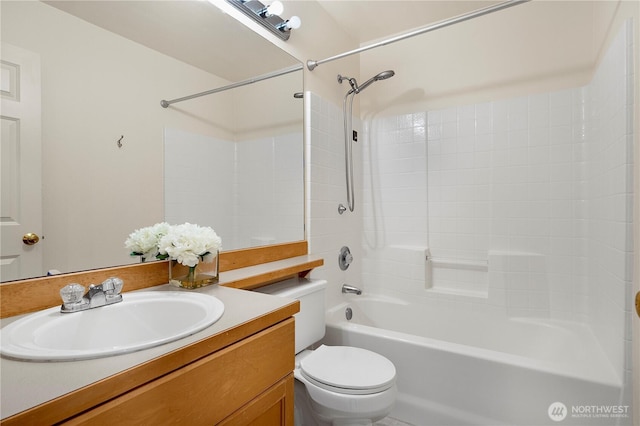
(348, 313)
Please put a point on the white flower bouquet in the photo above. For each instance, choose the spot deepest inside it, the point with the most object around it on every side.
(190, 247)
(190, 244)
(145, 241)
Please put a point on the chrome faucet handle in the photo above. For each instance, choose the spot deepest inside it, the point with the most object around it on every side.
(72, 293)
(345, 258)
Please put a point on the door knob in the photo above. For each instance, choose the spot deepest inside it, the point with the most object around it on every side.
(638, 303)
(30, 239)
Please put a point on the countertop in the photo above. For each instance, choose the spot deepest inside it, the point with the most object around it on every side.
(25, 384)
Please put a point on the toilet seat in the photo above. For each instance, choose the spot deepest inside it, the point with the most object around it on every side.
(348, 370)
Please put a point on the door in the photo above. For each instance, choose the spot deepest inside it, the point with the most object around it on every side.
(20, 165)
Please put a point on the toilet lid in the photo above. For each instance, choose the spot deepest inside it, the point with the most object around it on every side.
(349, 370)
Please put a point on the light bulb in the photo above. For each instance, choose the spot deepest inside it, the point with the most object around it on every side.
(275, 8)
(293, 23)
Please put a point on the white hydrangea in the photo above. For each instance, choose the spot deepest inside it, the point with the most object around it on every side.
(144, 241)
(190, 244)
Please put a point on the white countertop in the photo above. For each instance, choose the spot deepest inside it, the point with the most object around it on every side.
(26, 384)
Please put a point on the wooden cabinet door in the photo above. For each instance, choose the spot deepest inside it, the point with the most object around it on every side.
(274, 407)
(210, 389)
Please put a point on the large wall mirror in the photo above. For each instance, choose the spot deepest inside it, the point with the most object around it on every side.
(114, 160)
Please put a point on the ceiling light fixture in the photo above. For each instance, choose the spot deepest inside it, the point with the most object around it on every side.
(268, 16)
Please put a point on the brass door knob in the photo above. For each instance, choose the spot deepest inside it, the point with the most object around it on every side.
(638, 303)
(30, 239)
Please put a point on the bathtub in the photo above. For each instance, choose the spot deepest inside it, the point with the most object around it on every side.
(468, 369)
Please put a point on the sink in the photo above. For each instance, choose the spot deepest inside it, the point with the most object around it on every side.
(142, 320)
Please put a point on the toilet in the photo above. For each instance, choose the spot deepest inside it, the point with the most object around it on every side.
(335, 385)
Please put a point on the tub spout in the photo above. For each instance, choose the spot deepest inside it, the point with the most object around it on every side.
(350, 289)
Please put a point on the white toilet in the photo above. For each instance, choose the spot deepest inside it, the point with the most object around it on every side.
(335, 385)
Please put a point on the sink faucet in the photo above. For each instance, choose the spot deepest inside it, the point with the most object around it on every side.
(74, 298)
(351, 289)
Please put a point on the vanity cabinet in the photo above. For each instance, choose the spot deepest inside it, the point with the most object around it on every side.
(238, 371)
(247, 383)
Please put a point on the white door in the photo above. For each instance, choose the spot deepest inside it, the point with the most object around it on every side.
(20, 165)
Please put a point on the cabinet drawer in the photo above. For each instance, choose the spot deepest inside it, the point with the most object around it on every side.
(208, 390)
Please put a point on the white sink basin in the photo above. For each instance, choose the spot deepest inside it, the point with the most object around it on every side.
(142, 320)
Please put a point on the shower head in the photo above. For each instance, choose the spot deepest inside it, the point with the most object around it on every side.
(381, 76)
(355, 89)
(384, 75)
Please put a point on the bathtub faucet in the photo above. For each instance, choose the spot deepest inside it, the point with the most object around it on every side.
(346, 288)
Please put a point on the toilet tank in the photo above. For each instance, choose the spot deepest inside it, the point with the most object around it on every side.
(310, 322)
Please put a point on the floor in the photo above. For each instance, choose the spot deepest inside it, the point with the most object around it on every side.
(388, 421)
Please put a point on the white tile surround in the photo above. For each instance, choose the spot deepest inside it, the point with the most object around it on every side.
(201, 187)
(531, 197)
(328, 231)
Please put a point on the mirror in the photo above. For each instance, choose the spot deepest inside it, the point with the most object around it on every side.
(114, 160)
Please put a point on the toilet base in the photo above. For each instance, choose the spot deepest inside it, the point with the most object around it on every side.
(309, 413)
(302, 409)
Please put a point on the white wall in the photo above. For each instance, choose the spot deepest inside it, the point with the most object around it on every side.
(249, 192)
(275, 112)
(496, 56)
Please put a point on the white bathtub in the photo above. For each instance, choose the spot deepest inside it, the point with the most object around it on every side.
(463, 369)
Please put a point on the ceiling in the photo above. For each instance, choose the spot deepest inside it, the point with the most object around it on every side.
(369, 20)
(160, 25)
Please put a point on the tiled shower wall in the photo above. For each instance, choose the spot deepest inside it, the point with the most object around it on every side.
(191, 163)
(327, 230)
(270, 195)
(502, 179)
(245, 190)
(609, 191)
(523, 205)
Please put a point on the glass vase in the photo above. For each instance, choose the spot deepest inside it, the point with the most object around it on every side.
(201, 275)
